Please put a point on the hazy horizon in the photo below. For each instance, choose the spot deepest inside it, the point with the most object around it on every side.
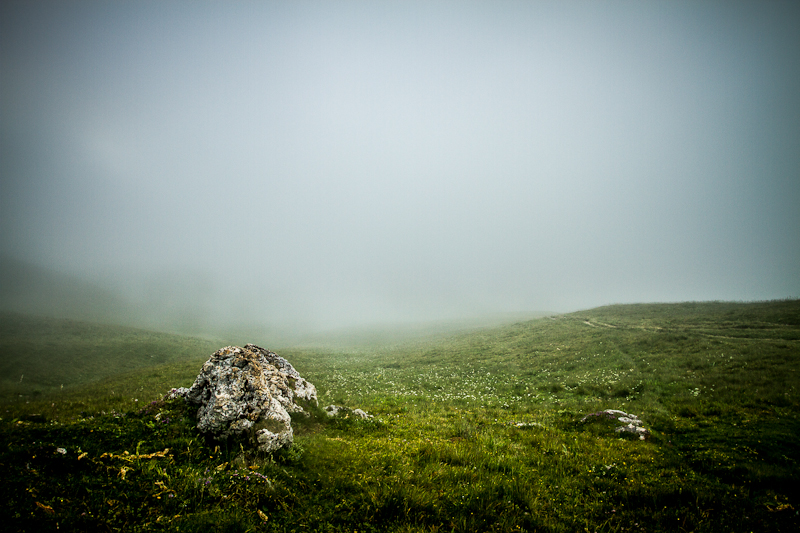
(336, 164)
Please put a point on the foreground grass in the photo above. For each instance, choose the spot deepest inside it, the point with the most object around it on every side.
(476, 432)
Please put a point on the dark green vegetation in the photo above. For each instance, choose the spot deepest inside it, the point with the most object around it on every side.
(478, 431)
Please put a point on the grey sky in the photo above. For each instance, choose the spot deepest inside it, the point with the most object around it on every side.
(347, 162)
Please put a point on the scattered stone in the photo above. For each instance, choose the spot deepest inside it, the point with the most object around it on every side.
(180, 392)
(631, 423)
(527, 425)
(346, 412)
(248, 393)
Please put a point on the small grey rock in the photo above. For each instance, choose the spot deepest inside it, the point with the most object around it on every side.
(338, 410)
(630, 423)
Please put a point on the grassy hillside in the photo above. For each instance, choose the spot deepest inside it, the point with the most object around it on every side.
(40, 354)
(480, 431)
(31, 289)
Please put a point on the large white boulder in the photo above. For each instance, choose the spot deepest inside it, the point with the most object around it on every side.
(248, 393)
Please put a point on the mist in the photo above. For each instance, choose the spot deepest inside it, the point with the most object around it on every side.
(334, 164)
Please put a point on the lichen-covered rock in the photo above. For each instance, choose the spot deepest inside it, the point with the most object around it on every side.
(248, 393)
(179, 392)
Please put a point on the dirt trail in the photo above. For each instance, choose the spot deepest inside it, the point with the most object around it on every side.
(687, 329)
(599, 324)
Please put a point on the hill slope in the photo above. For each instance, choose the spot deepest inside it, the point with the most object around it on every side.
(42, 354)
(31, 289)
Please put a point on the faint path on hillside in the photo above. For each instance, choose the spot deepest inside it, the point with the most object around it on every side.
(599, 324)
(687, 329)
(693, 329)
(746, 338)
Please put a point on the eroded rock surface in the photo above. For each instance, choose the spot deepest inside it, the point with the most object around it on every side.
(248, 393)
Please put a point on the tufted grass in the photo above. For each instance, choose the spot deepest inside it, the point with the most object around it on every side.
(477, 431)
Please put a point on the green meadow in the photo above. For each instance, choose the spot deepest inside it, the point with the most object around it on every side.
(479, 429)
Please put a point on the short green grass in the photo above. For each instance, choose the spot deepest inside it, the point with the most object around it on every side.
(478, 431)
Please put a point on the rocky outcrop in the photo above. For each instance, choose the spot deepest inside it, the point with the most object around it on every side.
(248, 393)
(630, 423)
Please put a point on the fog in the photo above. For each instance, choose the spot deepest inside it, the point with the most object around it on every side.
(332, 164)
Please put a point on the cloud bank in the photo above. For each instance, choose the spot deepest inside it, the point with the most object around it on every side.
(339, 163)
